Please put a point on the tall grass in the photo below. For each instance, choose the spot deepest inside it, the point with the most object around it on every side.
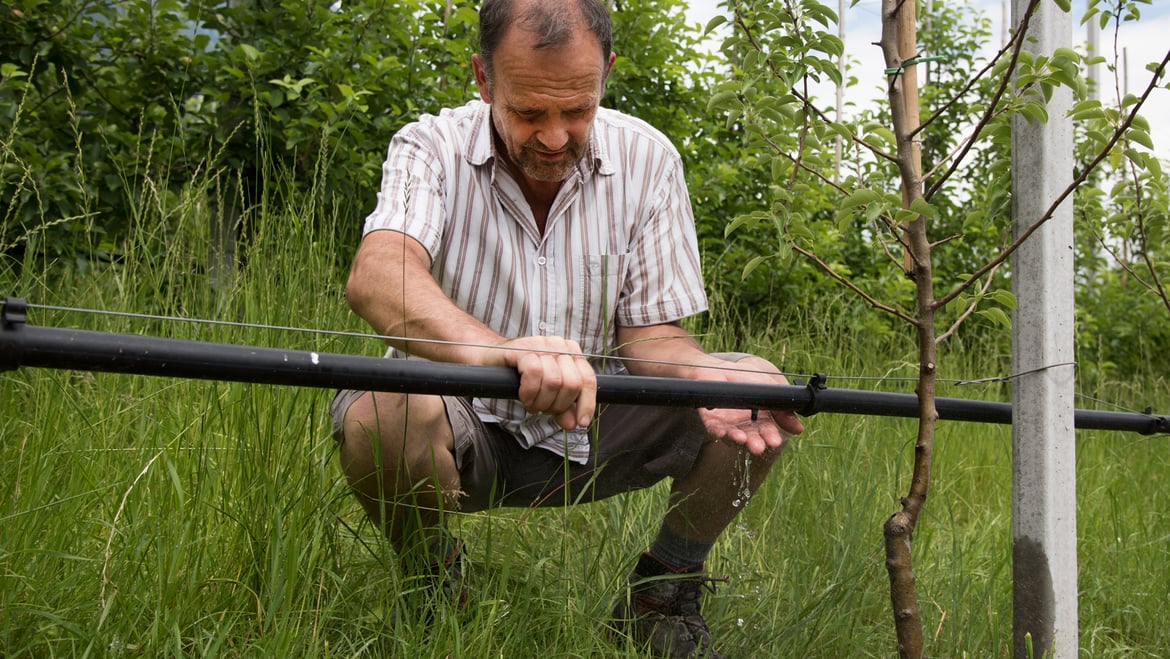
(157, 517)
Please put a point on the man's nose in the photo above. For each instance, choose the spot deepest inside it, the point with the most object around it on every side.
(555, 135)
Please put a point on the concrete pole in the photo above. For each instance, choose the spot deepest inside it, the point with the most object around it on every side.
(1094, 43)
(838, 149)
(1044, 528)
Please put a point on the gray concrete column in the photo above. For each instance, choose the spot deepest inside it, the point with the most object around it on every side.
(1044, 528)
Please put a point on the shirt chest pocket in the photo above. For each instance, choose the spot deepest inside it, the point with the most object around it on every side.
(598, 287)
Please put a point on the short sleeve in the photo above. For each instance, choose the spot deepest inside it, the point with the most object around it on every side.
(665, 279)
(411, 198)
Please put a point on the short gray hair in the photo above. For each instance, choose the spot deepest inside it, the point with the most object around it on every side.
(552, 21)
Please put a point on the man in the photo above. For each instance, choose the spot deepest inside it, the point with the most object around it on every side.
(537, 231)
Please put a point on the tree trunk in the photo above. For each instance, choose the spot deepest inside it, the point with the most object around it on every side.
(899, 48)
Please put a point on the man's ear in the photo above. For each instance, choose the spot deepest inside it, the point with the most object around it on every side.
(481, 80)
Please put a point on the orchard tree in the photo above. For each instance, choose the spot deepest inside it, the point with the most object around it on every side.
(886, 225)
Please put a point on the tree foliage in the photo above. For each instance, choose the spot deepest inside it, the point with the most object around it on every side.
(848, 216)
(903, 231)
(105, 101)
(102, 96)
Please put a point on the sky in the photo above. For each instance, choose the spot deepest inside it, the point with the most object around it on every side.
(1143, 42)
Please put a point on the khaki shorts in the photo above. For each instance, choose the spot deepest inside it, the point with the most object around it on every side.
(634, 447)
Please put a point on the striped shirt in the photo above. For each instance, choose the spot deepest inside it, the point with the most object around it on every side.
(619, 246)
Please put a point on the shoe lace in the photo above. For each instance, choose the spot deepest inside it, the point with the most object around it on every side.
(680, 596)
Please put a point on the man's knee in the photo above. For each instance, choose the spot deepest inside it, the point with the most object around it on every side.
(395, 430)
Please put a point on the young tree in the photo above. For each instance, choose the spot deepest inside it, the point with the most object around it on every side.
(931, 244)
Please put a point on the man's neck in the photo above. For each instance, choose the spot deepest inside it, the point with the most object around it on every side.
(539, 194)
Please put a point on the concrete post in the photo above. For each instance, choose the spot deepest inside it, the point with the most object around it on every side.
(1044, 530)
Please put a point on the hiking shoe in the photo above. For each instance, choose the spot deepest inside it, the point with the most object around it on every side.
(436, 588)
(661, 610)
(449, 577)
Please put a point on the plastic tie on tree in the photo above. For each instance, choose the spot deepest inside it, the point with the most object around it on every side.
(895, 70)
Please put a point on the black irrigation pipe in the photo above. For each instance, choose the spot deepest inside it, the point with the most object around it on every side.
(22, 344)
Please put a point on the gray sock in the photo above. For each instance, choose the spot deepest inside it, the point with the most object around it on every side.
(679, 552)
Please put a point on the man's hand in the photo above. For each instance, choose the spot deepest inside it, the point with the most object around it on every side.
(770, 430)
(555, 378)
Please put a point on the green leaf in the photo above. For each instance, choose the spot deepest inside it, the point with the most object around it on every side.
(10, 70)
(799, 229)
(1036, 112)
(1004, 297)
(996, 315)
(779, 170)
(842, 130)
(904, 216)
(924, 208)
(1155, 166)
(753, 264)
(716, 21)
(726, 99)
(249, 51)
(1090, 109)
(1141, 137)
(737, 223)
(859, 197)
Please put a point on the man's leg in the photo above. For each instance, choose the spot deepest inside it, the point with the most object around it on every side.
(705, 501)
(661, 608)
(397, 452)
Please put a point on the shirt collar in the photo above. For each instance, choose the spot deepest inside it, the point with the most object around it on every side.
(481, 148)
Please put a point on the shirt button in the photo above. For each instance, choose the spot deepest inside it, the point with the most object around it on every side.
(541, 326)
(541, 260)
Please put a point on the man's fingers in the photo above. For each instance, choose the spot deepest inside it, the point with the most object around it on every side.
(788, 422)
(560, 384)
(530, 379)
(546, 380)
(587, 396)
(736, 426)
(568, 385)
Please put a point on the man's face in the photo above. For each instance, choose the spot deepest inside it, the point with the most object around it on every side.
(543, 101)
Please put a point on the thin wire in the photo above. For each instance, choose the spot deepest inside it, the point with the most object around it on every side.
(200, 321)
(361, 335)
(1013, 376)
(1110, 404)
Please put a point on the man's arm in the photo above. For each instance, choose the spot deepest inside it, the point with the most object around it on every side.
(390, 286)
(665, 350)
(668, 350)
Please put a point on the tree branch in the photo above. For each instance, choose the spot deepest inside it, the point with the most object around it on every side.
(1017, 44)
(847, 283)
(967, 312)
(803, 98)
(1081, 178)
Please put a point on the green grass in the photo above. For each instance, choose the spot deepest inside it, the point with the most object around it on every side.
(146, 517)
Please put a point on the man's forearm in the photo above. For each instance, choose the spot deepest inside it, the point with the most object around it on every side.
(391, 287)
(665, 350)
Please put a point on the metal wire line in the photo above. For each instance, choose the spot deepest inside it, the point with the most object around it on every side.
(363, 335)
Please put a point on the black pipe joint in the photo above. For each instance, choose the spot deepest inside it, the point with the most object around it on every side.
(12, 317)
(816, 384)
